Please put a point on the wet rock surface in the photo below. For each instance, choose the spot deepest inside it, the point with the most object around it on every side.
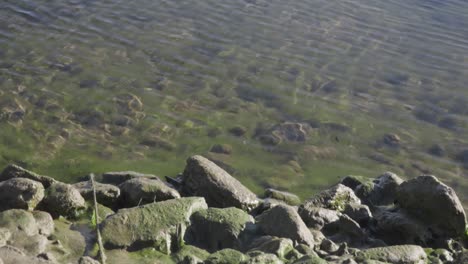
(210, 217)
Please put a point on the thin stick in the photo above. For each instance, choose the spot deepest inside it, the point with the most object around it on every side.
(102, 255)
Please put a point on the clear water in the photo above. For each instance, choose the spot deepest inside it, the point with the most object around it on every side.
(107, 85)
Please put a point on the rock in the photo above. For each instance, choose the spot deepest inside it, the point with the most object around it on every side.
(190, 254)
(144, 256)
(358, 212)
(289, 198)
(441, 256)
(392, 140)
(346, 230)
(238, 131)
(281, 247)
(12, 255)
(284, 221)
(161, 225)
(106, 194)
(462, 258)
(381, 191)
(5, 235)
(405, 254)
(352, 181)
(268, 203)
(215, 228)
(44, 222)
(20, 193)
(425, 196)
(396, 227)
(222, 149)
(67, 245)
(317, 217)
(88, 260)
(288, 131)
(335, 198)
(22, 231)
(437, 150)
(117, 178)
(63, 200)
(15, 171)
(226, 256)
(312, 259)
(139, 191)
(259, 257)
(204, 178)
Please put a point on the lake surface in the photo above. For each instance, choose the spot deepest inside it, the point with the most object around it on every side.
(297, 93)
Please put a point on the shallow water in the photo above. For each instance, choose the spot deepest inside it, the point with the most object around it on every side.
(107, 85)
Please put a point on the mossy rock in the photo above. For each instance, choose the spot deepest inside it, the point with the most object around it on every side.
(310, 259)
(289, 198)
(67, 245)
(145, 256)
(190, 254)
(405, 254)
(226, 256)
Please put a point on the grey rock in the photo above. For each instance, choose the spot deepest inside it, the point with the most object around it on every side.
(45, 223)
(161, 225)
(118, 177)
(204, 178)
(88, 260)
(317, 217)
(15, 171)
(12, 255)
(358, 212)
(281, 247)
(269, 203)
(63, 200)
(221, 149)
(335, 198)
(139, 191)
(434, 203)
(259, 257)
(405, 254)
(106, 194)
(352, 181)
(20, 193)
(218, 228)
(346, 230)
(289, 198)
(284, 221)
(381, 191)
(310, 259)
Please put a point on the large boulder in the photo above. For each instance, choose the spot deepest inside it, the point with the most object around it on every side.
(434, 203)
(161, 225)
(215, 228)
(63, 200)
(284, 221)
(335, 198)
(20, 193)
(67, 244)
(381, 191)
(204, 178)
(106, 194)
(139, 191)
(15, 171)
(13, 255)
(405, 254)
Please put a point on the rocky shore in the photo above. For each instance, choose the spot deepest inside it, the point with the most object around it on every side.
(207, 216)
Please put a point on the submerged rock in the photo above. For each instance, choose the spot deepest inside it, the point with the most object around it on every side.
(435, 204)
(139, 191)
(215, 228)
(204, 178)
(20, 193)
(15, 171)
(160, 225)
(284, 221)
(63, 200)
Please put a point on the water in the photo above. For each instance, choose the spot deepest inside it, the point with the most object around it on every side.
(107, 85)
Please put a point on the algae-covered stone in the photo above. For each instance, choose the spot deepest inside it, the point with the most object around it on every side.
(144, 256)
(404, 254)
(284, 221)
(204, 178)
(139, 191)
(190, 255)
(63, 200)
(434, 203)
(335, 198)
(218, 228)
(20, 193)
(106, 194)
(161, 225)
(310, 259)
(67, 245)
(286, 197)
(259, 257)
(226, 256)
(281, 247)
(88, 260)
(15, 171)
